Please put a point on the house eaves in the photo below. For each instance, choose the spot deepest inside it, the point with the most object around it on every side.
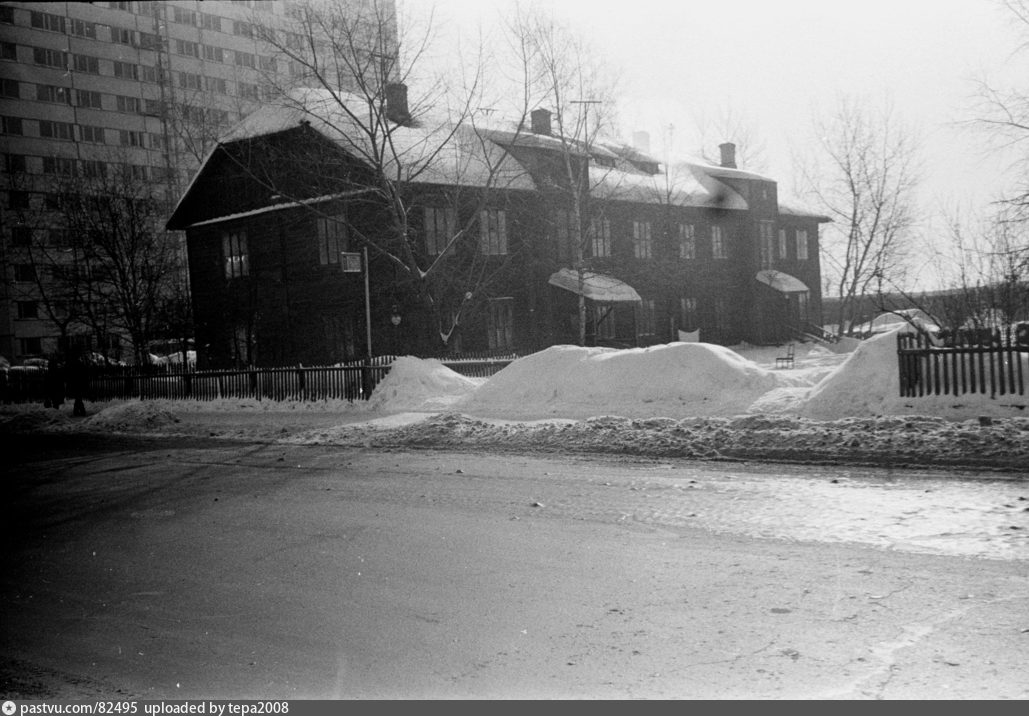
(278, 207)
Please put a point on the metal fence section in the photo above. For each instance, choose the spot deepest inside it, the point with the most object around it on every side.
(349, 381)
(987, 361)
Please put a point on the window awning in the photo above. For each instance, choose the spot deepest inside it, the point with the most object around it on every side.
(782, 282)
(595, 286)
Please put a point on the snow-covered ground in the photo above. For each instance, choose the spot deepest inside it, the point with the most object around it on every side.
(686, 399)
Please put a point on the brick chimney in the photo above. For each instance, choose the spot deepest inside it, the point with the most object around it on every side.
(396, 103)
(728, 150)
(541, 121)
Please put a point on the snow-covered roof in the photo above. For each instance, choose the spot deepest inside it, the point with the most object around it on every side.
(782, 282)
(419, 152)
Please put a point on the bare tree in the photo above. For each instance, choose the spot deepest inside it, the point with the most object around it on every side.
(561, 73)
(355, 63)
(723, 124)
(865, 179)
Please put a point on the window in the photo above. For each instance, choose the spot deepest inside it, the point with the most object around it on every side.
(245, 59)
(150, 8)
(190, 80)
(493, 232)
(14, 163)
(766, 247)
(183, 16)
(126, 70)
(210, 22)
(46, 21)
(248, 90)
(59, 165)
(83, 29)
(642, 242)
(216, 84)
(158, 141)
(140, 172)
(21, 236)
(688, 313)
(646, 310)
(87, 99)
(154, 74)
(8, 51)
(126, 6)
(718, 249)
(31, 346)
(501, 323)
(267, 64)
(17, 199)
(187, 49)
(128, 104)
(600, 237)
(234, 251)
(9, 88)
(564, 236)
(59, 238)
(50, 58)
(802, 245)
(56, 130)
(6, 14)
(49, 93)
(87, 64)
(687, 241)
(150, 41)
(439, 228)
(123, 36)
(10, 125)
(332, 239)
(129, 138)
(294, 41)
(24, 273)
(243, 29)
(93, 135)
(782, 243)
(28, 309)
(214, 54)
(153, 107)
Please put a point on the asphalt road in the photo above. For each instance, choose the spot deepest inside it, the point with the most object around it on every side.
(153, 568)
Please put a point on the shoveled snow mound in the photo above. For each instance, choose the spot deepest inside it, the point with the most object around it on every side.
(413, 384)
(868, 384)
(672, 380)
(132, 417)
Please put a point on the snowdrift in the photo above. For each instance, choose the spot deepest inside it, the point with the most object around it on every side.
(671, 380)
(414, 384)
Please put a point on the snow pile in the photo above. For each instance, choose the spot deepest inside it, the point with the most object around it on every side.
(672, 380)
(413, 384)
(868, 384)
(132, 416)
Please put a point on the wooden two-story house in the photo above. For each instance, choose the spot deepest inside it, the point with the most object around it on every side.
(476, 238)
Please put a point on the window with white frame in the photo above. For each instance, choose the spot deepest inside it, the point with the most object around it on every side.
(600, 237)
(782, 243)
(687, 241)
(439, 223)
(765, 243)
(802, 249)
(501, 323)
(642, 240)
(493, 232)
(235, 254)
(332, 239)
(718, 248)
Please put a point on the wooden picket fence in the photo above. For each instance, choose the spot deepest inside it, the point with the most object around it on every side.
(987, 361)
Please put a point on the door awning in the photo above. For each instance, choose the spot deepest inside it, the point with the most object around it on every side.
(782, 282)
(595, 286)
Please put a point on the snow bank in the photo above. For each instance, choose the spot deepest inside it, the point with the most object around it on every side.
(868, 384)
(133, 416)
(413, 384)
(672, 380)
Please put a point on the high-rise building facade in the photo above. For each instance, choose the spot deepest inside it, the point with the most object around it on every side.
(148, 86)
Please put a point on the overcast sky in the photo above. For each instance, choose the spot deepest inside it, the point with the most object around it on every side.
(777, 62)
